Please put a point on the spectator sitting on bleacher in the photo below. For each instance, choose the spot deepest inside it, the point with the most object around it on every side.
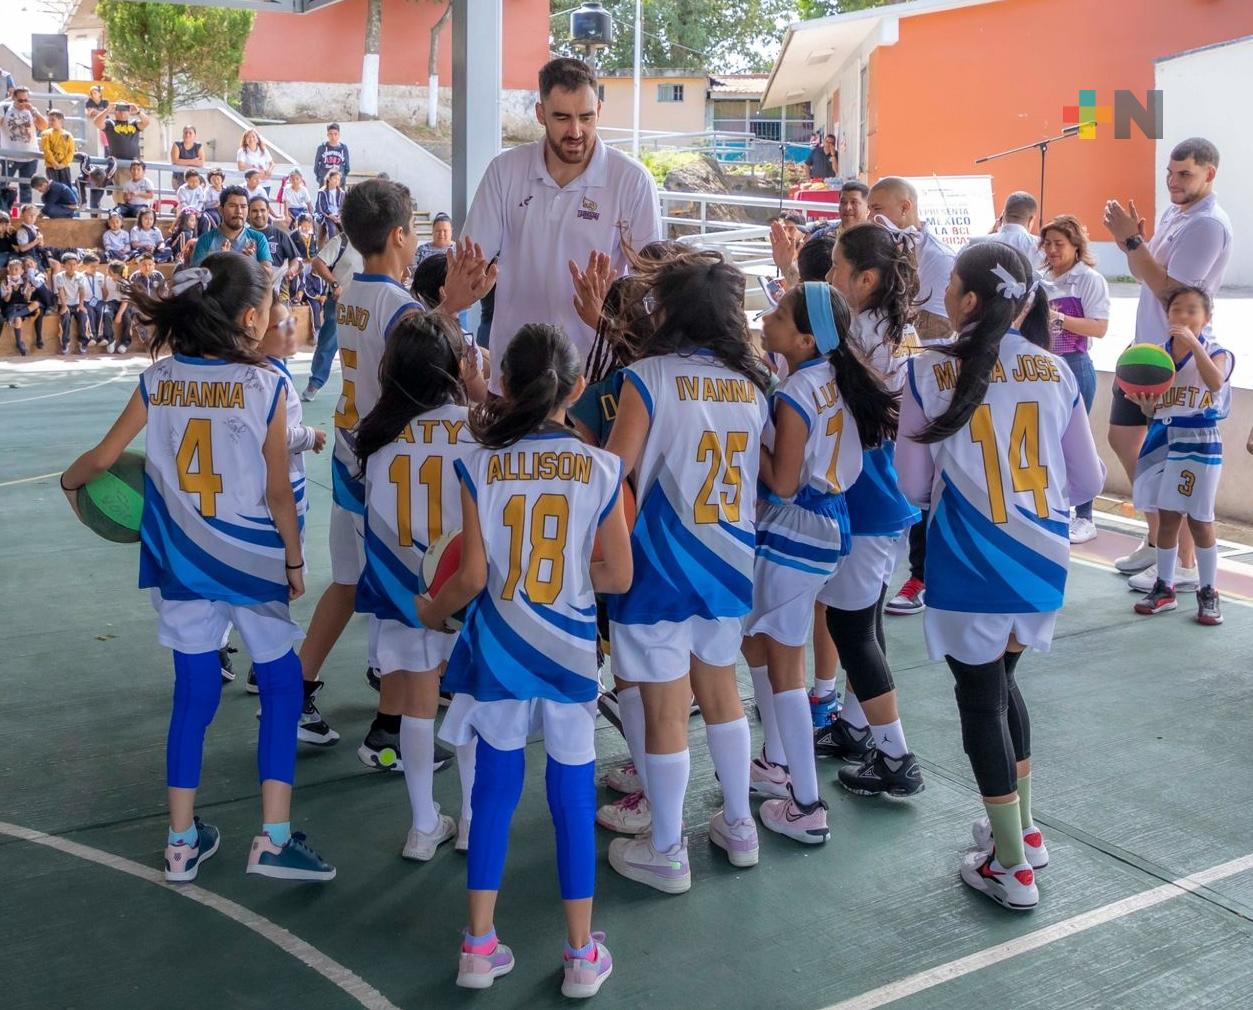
(37, 286)
(186, 153)
(252, 154)
(297, 199)
(253, 186)
(59, 200)
(137, 191)
(192, 193)
(441, 239)
(212, 216)
(184, 234)
(281, 247)
(121, 133)
(147, 240)
(94, 177)
(17, 305)
(291, 290)
(8, 241)
(29, 241)
(327, 210)
(233, 234)
(116, 240)
(114, 304)
(57, 144)
(95, 300)
(147, 280)
(72, 290)
(331, 154)
(304, 240)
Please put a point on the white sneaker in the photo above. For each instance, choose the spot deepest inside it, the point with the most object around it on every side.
(1013, 888)
(636, 859)
(765, 778)
(1082, 530)
(625, 780)
(630, 815)
(463, 836)
(1187, 580)
(737, 838)
(421, 845)
(1137, 560)
(1032, 842)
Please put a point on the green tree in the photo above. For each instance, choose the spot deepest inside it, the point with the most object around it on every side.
(810, 9)
(729, 36)
(173, 54)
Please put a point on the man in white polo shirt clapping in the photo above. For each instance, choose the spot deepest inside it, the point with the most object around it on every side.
(543, 205)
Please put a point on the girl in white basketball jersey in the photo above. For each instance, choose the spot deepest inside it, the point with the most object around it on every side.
(533, 500)
(220, 541)
(830, 405)
(1182, 457)
(994, 439)
(407, 446)
(689, 422)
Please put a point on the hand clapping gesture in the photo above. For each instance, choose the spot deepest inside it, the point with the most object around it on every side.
(470, 277)
(590, 286)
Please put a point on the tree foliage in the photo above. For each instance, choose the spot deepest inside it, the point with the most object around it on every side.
(809, 9)
(174, 54)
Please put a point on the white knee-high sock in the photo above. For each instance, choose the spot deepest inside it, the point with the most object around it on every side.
(1207, 565)
(465, 769)
(372, 645)
(631, 712)
(1167, 557)
(730, 747)
(851, 713)
(417, 744)
(667, 786)
(791, 709)
(763, 694)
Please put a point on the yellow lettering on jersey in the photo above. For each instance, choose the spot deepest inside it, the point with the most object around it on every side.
(609, 407)
(998, 373)
(495, 471)
(827, 396)
(566, 466)
(453, 430)
(406, 434)
(183, 393)
(1036, 368)
(426, 427)
(688, 387)
(945, 375)
(352, 315)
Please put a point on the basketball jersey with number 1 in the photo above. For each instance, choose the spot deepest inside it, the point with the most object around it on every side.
(412, 498)
(532, 632)
(206, 531)
(365, 316)
(998, 540)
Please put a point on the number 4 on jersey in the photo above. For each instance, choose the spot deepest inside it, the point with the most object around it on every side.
(1026, 473)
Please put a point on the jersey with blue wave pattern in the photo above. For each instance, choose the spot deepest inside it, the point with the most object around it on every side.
(233, 554)
(517, 647)
(876, 507)
(295, 419)
(813, 545)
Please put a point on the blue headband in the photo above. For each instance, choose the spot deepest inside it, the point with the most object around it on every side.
(821, 319)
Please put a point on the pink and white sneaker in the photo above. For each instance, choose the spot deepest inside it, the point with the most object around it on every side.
(479, 971)
(1011, 887)
(630, 815)
(625, 780)
(636, 859)
(583, 977)
(737, 838)
(806, 824)
(1032, 842)
(765, 778)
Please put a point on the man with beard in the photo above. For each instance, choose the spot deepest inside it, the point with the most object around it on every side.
(233, 234)
(543, 208)
(281, 247)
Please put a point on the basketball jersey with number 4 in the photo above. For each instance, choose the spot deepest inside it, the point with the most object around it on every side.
(206, 532)
(998, 540)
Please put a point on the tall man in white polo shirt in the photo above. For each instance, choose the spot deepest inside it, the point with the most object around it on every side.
(543, 205)
(1190, 247)
(1013, 227)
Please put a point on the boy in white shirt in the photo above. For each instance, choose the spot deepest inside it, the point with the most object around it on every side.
(191, 194)
(73, 291)
(138, 192)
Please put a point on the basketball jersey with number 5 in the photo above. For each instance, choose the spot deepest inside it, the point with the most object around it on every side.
(998, 540)
(532, 632)
(206, 531)
(696, 481)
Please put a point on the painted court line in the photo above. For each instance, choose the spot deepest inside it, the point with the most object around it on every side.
(331, 970)
(65, 392)
(29, 480)
(979, 960)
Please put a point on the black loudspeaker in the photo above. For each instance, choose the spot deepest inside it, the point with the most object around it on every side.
(50, 57)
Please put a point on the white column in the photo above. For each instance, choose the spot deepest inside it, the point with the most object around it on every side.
(476, 87)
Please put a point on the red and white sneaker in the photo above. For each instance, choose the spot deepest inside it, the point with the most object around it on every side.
(1013, 888)
(625, 780)
(630, 815)
(912, 599)
(765, 778)
(1032, 842)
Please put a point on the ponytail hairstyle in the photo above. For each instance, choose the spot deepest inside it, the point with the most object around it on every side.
(199, 315)
(1006, 287)
(873, 247)
(539, 371)
(420, 371)
(874, 407)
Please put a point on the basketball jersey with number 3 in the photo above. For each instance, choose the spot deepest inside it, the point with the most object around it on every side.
(696, 482)
(998, 540)
(532, 632)
(412, 498)
(206, 532)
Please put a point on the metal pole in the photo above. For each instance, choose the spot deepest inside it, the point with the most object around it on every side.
(476, 63)
(635, 113)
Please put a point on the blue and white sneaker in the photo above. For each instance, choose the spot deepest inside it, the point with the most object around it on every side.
(294, 861)
(182, 861)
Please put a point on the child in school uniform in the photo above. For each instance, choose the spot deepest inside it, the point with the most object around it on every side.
(95, 298)
(73, 290)
(18, 305)
(115, 306)
(328, 208)
(146, 238)
(116, 240)
(533, 500)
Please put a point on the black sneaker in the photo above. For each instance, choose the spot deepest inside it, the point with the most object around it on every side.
(443, 757)
(250, 684)
(227, 667)
(880, 775)
(607, 703)
(1160, 599)
(372, 677)
(381, 750)
(1207, 609)
(837, 739)
(313, 728)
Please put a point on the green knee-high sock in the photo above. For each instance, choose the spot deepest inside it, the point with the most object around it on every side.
(1006, 832)
(1024, 801)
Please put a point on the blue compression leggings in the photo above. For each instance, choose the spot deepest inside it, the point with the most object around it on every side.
(197, 690)
(571, 791)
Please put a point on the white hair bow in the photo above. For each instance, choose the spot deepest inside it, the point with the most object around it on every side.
(184, 280)
(1009, 287)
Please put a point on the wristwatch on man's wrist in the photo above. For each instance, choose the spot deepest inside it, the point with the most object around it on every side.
(1133, 243)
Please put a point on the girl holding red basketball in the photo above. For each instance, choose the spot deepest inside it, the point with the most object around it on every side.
(1182, 458)
(407, 447)
(534, 498)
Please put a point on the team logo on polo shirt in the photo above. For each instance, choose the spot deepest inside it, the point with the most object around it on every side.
(590, 210)
(527, 200)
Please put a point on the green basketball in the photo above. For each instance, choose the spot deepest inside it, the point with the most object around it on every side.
(112, 505)
(1145, 369)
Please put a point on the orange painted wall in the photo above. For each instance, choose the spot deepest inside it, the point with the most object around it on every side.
(970, 82)
(327, 44)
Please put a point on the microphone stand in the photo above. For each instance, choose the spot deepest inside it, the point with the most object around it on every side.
(1043, 147)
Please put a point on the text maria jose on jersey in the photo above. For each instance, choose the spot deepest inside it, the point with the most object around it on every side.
(1029, 368)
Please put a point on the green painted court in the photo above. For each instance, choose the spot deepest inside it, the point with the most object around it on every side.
(1142, 736)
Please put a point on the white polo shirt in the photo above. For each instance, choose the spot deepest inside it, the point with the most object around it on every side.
(1194, 246)
(536, 227)
(935, 265)
(1017, 237)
